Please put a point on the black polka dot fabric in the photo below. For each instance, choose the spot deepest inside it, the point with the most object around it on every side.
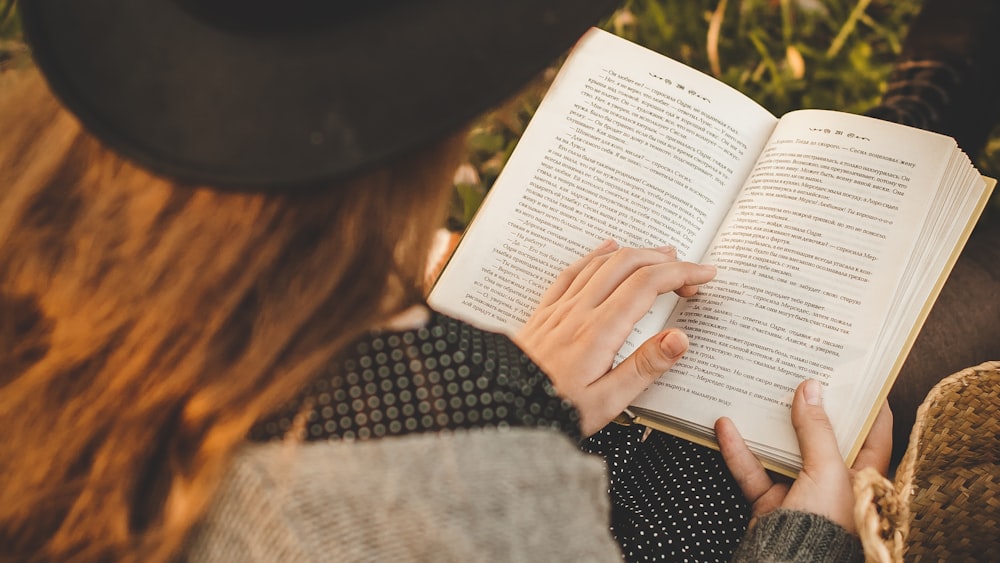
(446, 375)
(672, 500)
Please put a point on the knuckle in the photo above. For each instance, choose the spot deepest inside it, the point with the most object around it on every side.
(637, 257)
(648, 366)
(599, 261)
(642, 277)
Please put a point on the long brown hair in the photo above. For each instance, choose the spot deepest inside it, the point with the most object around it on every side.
(145, 326)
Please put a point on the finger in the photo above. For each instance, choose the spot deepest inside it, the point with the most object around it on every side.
(664, 278)
(668, 250)
(877, 449)
(619, 387)
(692, 290)
(597, 263)
(816, 438)
(616, 270)
(747, 470)
(567, 276)
(635, 295)
(608, 274)
(687, 291)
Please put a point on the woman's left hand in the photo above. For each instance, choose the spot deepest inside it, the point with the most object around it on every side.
(585, 317)
(824, 486)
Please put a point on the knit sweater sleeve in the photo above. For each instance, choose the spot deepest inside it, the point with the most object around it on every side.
(789, 535)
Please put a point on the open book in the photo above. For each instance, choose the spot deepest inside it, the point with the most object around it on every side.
(832, 233)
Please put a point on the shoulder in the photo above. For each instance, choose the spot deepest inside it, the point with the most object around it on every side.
(444, 375)
(478, 494)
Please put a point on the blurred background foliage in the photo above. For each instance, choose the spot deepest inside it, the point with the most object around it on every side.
(785, 54)
(12, 50)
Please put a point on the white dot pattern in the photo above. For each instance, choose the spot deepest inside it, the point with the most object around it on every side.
(446, 375)
(672, 500)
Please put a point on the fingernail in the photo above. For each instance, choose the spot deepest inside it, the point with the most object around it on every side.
(674, 344)
(708, 268)
(813, 392)
(607, 244)
(667, 249)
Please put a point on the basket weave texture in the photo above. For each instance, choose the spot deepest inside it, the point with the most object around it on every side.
(945, 502)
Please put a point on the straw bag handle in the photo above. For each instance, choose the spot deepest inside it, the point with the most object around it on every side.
(880, 516)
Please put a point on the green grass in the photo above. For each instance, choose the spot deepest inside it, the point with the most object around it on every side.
(13, 53)
(785, 54)
(9, 25)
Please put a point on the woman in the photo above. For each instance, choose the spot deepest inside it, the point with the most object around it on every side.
(218, 232)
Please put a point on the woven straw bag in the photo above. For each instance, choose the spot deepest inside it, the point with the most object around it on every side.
(945, 502)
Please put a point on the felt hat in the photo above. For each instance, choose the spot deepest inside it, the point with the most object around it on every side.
(263, 96)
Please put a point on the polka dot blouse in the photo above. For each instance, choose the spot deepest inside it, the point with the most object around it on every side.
(672, 500)
(445, 375)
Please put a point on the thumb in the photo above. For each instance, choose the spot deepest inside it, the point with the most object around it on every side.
(815, 434)
(658, 354)
(823, 486)
(622, 385)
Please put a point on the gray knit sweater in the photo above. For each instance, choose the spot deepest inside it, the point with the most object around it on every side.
(484, 495)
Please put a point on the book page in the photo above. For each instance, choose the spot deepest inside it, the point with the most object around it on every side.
(627, 145)
(810, 259)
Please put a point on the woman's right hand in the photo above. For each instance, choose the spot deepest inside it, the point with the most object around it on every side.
(585, 317)
(824, 486)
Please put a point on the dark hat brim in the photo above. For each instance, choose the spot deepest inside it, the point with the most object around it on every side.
(250, 110)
